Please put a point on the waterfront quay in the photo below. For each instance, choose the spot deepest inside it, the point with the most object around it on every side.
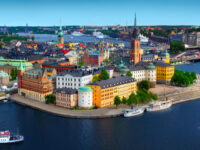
(176, 94)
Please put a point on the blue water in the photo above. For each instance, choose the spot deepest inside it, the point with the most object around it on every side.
(195, 67)
(175, 129)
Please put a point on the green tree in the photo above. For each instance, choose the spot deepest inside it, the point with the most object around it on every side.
(129, 74)
(131, 100)
(124, 100)
(117, 101)
(143, 85)
(50, 98)
(13, 74)
(95, 78)
(104, 74)
(176, 47)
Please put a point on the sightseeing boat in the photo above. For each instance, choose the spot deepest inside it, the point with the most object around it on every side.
(159, 105)
(7, 137)
(133, 112)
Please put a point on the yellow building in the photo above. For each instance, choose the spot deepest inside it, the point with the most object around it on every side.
(164, 72)
(104, 91)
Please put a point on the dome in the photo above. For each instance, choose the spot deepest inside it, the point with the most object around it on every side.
(85, 89)
(165, 53)
(150, 66)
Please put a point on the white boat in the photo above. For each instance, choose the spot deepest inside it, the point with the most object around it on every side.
(75, 33)
(7, 137)
(98, 35)
(143, 39)
(159, 105)
(133, 112)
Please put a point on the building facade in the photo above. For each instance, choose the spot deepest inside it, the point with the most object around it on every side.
(104, 91)
(34, 84)
(4, 78)
(66, 97)
(73, 79)
(164, 72)
(85, 97)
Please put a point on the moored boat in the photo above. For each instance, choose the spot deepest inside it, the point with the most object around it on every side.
(133, 112)
(159, 105)
(7, 137)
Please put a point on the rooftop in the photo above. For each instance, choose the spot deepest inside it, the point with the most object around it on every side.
(113, 81)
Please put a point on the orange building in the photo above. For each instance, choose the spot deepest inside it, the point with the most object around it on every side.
(104, 91)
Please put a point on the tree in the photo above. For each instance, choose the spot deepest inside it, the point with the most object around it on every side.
(129, 74)
(117, 101)
(104, 75)
(124, 100)
(176, 47)
(95, 78)
(181, 78)
(50, 98)
(143, 85)
(13, 74)
(131, 100)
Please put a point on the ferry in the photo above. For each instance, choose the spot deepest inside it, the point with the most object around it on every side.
(159, 105)
(76, 33)
(133, 112)
(7, 137)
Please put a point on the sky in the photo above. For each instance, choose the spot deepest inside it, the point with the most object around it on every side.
(99, 12)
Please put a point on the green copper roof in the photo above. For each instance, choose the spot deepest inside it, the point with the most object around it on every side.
(85, 89)
(150, 66)
(3, 74)
(165, 53)
(14, 62)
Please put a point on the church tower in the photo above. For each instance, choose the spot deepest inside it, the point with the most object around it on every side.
(60, 38)
(19, 76)
(135, 52)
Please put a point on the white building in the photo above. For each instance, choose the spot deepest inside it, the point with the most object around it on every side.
(73, 79)
(147, 72)
(85, 97)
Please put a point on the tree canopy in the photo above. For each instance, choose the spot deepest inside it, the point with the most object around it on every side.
(182, 78)
(177, 47)
(143, 85)
(117, 101)
(50, 98)
(95, 78)
(104, 74)
(129, 74)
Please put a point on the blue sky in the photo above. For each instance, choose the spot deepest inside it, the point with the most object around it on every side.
(99, 12)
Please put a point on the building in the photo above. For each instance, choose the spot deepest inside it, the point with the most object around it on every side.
(104, 91)
(164, 72)
(135, 51)
(8, 64)
(35, 83)
(93, 58)
(165, 56)
(144, 72)
(60, 66)
(66, 97)
(73, 78)
(192, 39)
(85, 98)
(4, 78)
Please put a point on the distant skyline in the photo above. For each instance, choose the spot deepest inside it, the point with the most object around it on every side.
(99, 12)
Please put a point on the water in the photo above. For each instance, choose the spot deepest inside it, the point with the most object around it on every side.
(70, 38)
(175, 129)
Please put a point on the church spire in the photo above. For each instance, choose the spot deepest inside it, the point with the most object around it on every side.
(135, 22)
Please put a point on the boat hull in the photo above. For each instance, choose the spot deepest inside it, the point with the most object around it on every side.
(158, 108)
(134, 113)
